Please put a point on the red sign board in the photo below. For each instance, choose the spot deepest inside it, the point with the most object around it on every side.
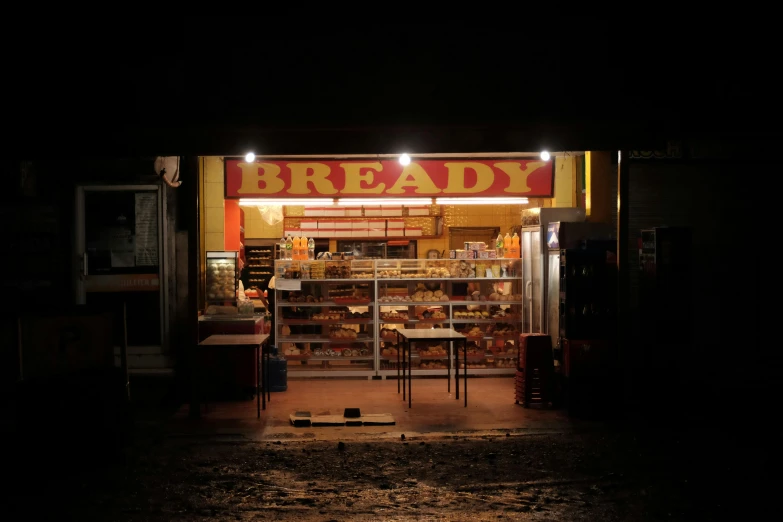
(504, 177)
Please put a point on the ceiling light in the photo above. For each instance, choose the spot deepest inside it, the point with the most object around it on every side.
(312, 202)
(347, 202)
(481, 201)
(405, 159)
(544, 155)
(250, 157)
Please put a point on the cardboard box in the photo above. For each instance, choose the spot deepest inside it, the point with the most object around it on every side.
(294, 232)
(359, 223)
(314, 211)
(419, 210)
(308, 223)
(313, 232)
(325, 223)
(373, 211)
(335, 212)
(413, 231)
(360, 232)
(376, 223)
(395, 223)
(353, 211)
(376, 232)
(342, 225)
(395, 232)
(391, 211)
(326, 232)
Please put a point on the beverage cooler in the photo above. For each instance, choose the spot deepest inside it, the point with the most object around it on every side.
(581, 312)
(534, 249)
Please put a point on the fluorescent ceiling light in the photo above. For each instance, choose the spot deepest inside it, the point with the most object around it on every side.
(347, 202)
(481, 201)
(307, 202)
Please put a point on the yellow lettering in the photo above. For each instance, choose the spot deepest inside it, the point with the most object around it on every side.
(414, 176)
(315, 173)
(253, 174)
(517, 178)
(358, 173)
(456, 184)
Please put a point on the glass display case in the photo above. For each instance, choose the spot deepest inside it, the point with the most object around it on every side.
(346, 325)
(326, 321)
(259, 259)
(222, 277)
(481, 298)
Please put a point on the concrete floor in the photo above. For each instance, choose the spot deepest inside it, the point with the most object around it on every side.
(434, 411)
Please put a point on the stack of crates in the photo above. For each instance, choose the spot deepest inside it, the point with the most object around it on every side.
(535, 371)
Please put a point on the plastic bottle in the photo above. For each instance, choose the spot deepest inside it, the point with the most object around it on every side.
(506, 245)
(297, 247)
(499, 246)
(515, 250)
(311, 248)
(289, 247)
(281, 247)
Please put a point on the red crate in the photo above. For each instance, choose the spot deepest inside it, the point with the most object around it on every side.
(533, 383)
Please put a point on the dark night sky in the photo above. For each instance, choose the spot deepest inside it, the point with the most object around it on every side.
(238, 71)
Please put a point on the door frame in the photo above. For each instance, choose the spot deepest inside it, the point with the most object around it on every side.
(80, 246)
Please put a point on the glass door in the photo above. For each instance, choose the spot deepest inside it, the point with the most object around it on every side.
(119, 246)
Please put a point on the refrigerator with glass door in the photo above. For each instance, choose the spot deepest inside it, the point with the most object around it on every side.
(534, 264)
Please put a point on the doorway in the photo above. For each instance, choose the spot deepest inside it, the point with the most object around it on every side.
(119, 248)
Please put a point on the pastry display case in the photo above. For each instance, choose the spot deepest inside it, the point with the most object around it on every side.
(222, 277)
(326, 320)
(259, 259)
(346, 325)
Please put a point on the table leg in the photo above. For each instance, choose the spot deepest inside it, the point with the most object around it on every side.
(259, 390)
(456, 374)
(465, 346)
(398, 362)
(268, 388)
(448, 375)
(409, 374)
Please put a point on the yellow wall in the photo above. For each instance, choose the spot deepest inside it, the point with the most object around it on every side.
(503, 216)
(214, 214)
(256, 227)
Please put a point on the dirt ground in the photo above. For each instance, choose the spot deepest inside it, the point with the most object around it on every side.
(598, 475)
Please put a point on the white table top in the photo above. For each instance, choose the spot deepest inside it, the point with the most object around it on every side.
(234, 340)
(435, 334)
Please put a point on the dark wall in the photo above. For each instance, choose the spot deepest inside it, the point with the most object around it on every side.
(721, 201)
(37, 206)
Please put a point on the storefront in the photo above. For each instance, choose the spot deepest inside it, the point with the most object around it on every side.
(394, 241)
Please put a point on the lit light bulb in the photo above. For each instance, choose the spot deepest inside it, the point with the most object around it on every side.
(250, 157)
(544, 155)
(405, 160)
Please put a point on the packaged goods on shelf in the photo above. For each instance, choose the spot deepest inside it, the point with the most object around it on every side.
(419, 210)
(360, 232)
(335, 211)
(395, 223)
(359, 223)
(353, 211)
(314, 211)
(373, 211)
(326, 223)
(342, 226)
(413, 231)
(308, 224)
(395, 232)
(391, 211)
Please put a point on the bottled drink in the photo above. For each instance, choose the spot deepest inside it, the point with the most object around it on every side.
(281, 248)
(311, 248)
(507, 245)
(499, 246)
(515, 250)
(297, 253)
(289, 248)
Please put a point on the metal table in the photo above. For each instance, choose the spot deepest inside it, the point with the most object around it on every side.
(406, 336)
(234, 341)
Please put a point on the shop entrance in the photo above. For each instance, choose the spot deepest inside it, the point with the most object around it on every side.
(119, 245)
